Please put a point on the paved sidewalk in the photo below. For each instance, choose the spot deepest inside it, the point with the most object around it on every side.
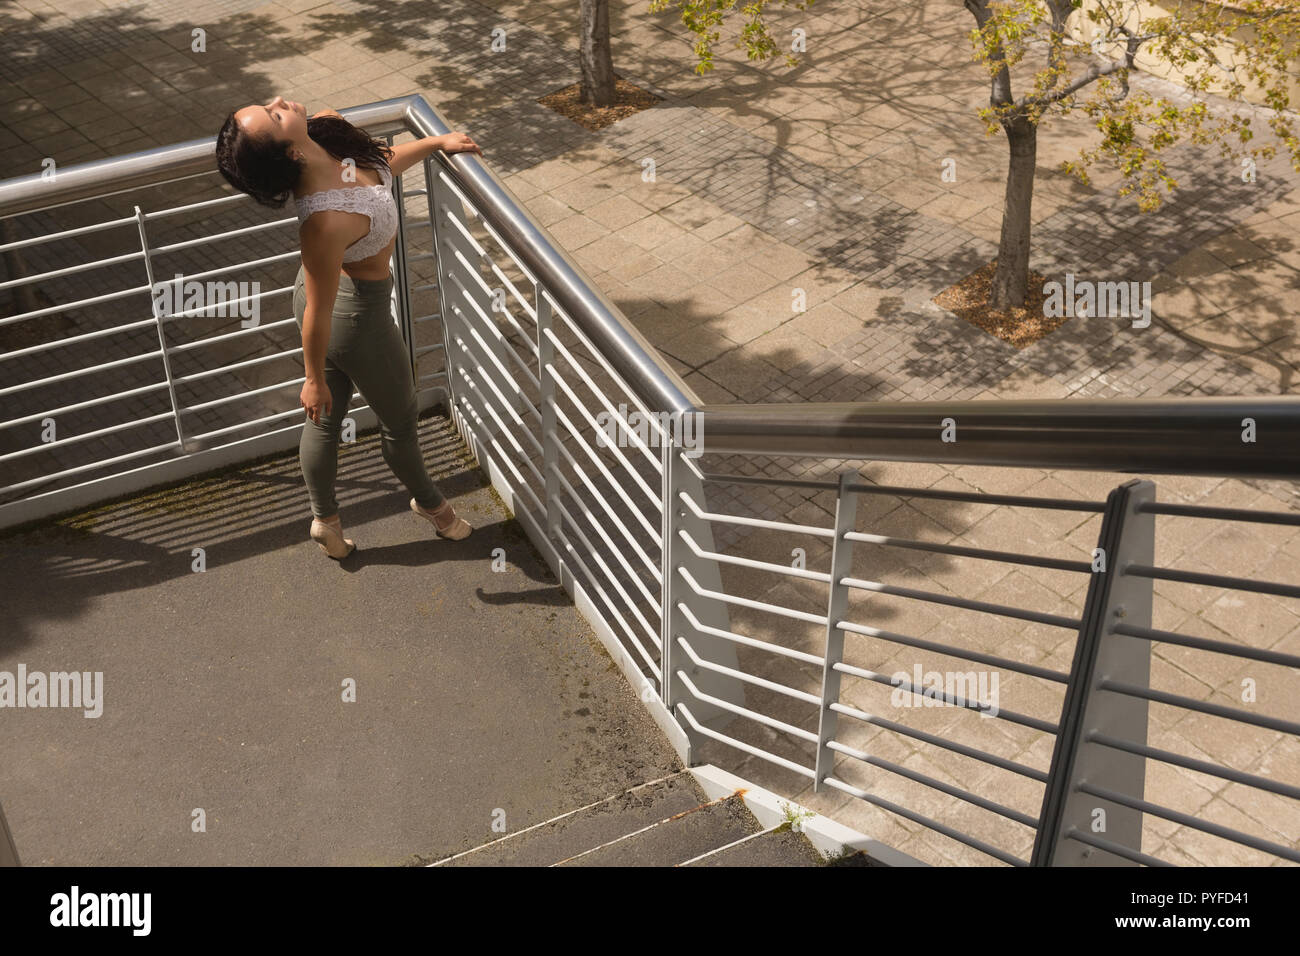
(824, 179)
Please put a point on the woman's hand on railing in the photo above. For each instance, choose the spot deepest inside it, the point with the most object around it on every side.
(458, 143)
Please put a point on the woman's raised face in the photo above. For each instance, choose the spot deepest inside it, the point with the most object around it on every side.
(280, 119)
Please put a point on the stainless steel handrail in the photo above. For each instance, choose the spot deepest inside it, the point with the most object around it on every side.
(1169, 436)
(600, 319)
(633, 540)
(1193, 436)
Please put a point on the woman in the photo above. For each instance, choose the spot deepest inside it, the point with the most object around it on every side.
(338, 177)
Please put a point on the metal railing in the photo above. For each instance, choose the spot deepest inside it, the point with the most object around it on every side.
(579, 425)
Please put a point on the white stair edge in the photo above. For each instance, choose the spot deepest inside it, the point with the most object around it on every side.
(829, 838)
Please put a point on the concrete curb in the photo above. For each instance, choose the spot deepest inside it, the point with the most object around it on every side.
(831, 839)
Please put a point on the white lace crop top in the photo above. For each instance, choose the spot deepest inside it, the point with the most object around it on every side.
(373, 201)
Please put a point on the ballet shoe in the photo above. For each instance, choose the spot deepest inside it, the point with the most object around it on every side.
(329, 535)
(444, 521)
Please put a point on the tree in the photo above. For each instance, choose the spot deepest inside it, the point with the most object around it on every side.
(594, 54)
(704, 17)
(1090, 46)
(1209, 46)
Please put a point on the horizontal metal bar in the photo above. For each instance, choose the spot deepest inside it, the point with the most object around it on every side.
(594, 582)
(746, 602)
(741, 745)
(1206, 644)
(85, 370)
(1200, 766)
(228, 234)
(729, 479)
(232, 366)
(907, 687)
(753, 715)
(68, 233)
(603, 501)
(563, 350)
(977, 657)
(735, 638)
(935, 740)
(1008, 557)
(926, 822)
(79, 469)
(754, 522)
(78, 304)
(249, 423)
(78, 406)
(612, 579)
(234, 199)
(1219, 514)
(226, 336)
(975, 497)
(1200, 706)
(747, 678)
(924, 779)
(1091, 839)
(76, 339)
(932, 597)
(1212, 580)
(632, 573)
(72, 270)
(781, 569)
(1187, 820)
(39, 447)
(240, 396)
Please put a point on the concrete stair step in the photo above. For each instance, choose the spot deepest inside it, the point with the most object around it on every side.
(706, 826)
(663, 823)
(779, 848)
(591, 827)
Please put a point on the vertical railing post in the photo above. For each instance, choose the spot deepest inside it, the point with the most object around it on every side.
(442, 201)
(837, 602)
(550, 436)
(401, 300)
(1127, 537)
(162, 334)
(670, 558)
(681, 478)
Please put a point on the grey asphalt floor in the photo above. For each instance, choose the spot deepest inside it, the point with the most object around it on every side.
(480, 695)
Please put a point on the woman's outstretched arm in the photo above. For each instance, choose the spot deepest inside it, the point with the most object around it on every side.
(406, 155)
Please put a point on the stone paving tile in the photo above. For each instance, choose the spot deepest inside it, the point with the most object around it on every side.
(812, 199)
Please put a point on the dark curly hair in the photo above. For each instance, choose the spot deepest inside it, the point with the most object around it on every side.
(263, 168)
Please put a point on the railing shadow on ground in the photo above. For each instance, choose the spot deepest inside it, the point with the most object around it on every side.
(534, 352)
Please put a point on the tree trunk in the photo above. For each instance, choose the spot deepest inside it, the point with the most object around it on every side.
(594, 53)
(1011, 280)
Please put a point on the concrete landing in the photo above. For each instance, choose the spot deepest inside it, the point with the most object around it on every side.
(480, 694)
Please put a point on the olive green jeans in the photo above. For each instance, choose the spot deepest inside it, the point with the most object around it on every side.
(366, 351)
